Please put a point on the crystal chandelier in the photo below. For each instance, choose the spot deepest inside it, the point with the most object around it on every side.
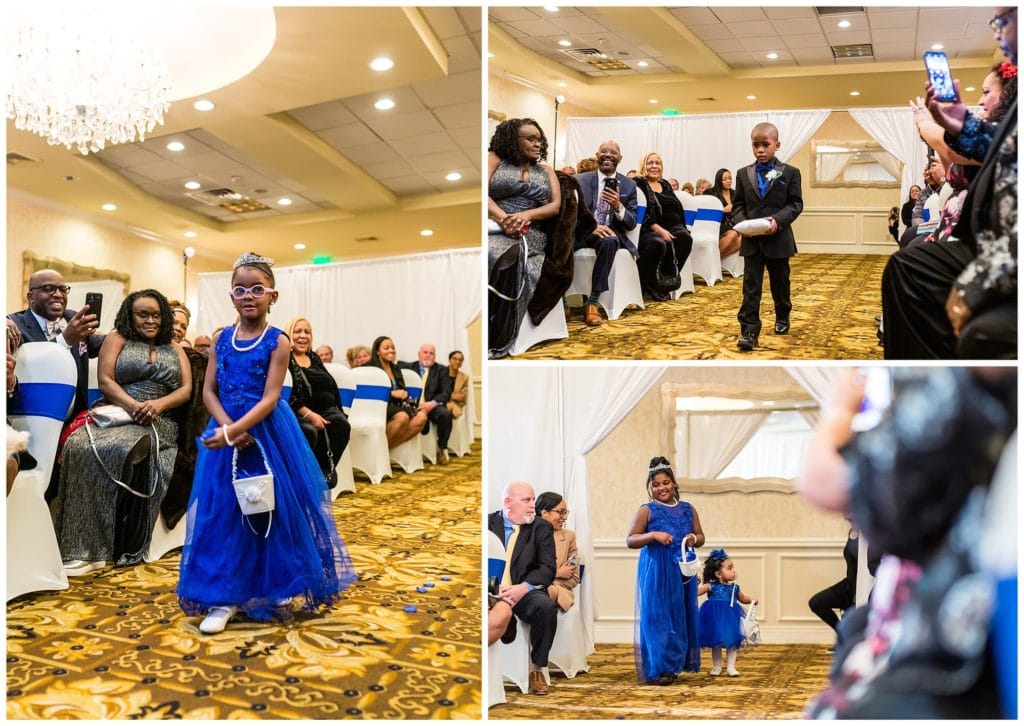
(83, 80)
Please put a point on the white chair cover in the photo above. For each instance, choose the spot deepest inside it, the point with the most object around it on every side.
(552, 327)
(495, 568)
(164, 540)
(707, 263)
(368, 418)
(686, 271)
(347, 391)
(733, 264)
(409, 455)
(689, 207)
(461, 440)
(623, 280)
(47, 376)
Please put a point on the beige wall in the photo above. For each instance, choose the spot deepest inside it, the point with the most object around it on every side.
(47, 231)
(784, 550)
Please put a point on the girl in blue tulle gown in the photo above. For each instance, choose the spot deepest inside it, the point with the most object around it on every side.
(720, 614)
(263, 564)
(665, 637)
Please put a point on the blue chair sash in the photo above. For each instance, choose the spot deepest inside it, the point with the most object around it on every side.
(92, 396)
(373, 393)
(347, 396)
(710, 215)
(414, 393)
(641, 212)
(495, 568)
(51, 400)
(689, 215)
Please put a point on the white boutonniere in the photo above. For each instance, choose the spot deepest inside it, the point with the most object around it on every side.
(772, 175)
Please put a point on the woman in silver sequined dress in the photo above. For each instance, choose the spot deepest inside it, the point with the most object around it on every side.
(98, 521)
(522, 192)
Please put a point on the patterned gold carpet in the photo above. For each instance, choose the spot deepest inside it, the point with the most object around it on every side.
(835, 301)
(115, 645)
(776, 682)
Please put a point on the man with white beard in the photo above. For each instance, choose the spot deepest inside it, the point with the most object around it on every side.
(529, 569)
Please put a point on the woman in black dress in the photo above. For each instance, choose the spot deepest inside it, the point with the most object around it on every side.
(316, 402)
(663, 225)
(405, 420)
(728, 238)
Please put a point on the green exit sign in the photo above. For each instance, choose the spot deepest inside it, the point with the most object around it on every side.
(322, 259)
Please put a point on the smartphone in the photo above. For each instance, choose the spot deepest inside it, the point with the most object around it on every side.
(877, 398)
(611, 183)
(937, 64)
(95, 302)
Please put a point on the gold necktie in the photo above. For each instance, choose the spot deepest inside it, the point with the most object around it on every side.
(510, 548)
(426, 374)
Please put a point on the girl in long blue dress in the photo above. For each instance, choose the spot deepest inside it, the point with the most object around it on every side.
(267, 563)
(665, 636)
(720, 614)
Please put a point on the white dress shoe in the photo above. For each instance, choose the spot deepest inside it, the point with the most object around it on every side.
(76, 568)
(217, 619)
(733, 672)
(716, 671)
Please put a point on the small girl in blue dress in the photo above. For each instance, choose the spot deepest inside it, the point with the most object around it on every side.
(261, 564)
(720, 615)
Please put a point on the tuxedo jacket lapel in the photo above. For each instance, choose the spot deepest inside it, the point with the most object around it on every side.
(752, 178)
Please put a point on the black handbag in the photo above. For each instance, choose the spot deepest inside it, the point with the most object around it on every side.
(666, 274)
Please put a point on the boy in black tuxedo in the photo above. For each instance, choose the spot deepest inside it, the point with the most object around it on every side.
(768, 189)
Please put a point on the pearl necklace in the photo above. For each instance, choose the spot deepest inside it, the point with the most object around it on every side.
(234, 345)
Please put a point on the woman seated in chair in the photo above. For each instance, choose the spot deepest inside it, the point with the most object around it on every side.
(113, 479)
(553, 508)
(316, 401)
(728, 238)
(405, 420)
(460, 383)
(357, 355)
(663, 225)
(522, 192)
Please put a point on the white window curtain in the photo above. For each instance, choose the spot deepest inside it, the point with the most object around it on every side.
(830, 166)
(545, 419)
(777, 454)
(412, 299)
(895, 130)
(707, 442)
(817, 380)
(888, 162)
(691, 146)
(866, 172)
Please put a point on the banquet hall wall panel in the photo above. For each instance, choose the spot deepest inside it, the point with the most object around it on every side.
(784, 549)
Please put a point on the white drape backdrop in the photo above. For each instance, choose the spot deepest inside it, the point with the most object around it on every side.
(543, 422)
(707, 442)
(690, 146)
(818, 382)
(895, 130)
(413, 299)
(831, 165)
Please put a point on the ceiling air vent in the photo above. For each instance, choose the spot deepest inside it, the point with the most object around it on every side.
(707, 98)
(584, 55)
(14, 158)
(839, 10)
(859, 51)
(229, 200)
(371, 238)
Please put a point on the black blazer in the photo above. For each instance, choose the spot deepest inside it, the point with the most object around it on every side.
(533, 560)
(783, 201)
(627, 196)
(32, 333)
(439, 383)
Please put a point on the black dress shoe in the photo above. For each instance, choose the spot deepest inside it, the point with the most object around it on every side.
(781, 327)
(747, 342)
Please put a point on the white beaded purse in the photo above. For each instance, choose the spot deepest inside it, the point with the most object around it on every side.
(255, 494)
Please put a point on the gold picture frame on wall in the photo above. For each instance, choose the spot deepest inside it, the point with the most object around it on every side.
(70, 271)
(839, 151)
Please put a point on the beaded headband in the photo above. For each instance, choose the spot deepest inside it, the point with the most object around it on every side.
(251, 258)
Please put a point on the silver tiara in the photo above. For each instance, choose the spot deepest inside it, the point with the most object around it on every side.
(658, 467)
(251, 258)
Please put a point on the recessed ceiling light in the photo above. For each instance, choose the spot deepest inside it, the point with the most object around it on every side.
(299, 245)
(193, 185)
(384, 104)
(844, 24)
(772, 56)
(969, 88)
(191, 235)
(643, 64)
(854, 93)
(175, 146)
(565, 43)
(382, 64)
(453, 176)
(551, 8)
(108, 207)
(937, 46)
(203, 105)
(426, 233)
(653, 100)
(284, 201)
(751, 98)
(561, 84)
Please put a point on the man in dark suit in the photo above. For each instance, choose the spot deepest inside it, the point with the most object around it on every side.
(529, 569)
(437, 390)
(613, 204)
(766, 189)
(48, 319)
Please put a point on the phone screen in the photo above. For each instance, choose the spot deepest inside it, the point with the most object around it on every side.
(877, 398)
(939, 76)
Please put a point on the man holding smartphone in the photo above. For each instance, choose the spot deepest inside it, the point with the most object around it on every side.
(611, 198)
